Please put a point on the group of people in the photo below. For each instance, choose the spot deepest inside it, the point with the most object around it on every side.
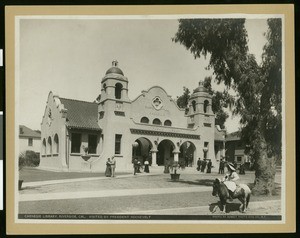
(204, 164)
(110, 167)
(137, 166)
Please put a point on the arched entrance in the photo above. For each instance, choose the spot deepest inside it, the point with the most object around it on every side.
(141, 149)
(187, 153)
(165, 152)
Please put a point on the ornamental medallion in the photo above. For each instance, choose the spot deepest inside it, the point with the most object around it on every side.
(157, 103)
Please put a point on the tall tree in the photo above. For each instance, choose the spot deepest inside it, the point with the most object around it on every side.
(258, 88)
(182, 101)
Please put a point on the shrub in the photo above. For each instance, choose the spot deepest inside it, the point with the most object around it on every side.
(28, 158)
(22, 160)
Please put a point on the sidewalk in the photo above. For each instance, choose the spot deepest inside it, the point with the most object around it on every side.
(157, 170)
(109, 193)
(60, 181)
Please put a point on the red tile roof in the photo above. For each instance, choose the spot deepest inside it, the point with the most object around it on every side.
(219, 135)
(80, 114)
(234, 136)
(24, 131)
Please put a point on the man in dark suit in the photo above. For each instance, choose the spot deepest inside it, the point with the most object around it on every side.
(199, 164)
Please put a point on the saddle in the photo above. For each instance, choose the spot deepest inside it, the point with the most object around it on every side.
(235, 189)
(230, 185)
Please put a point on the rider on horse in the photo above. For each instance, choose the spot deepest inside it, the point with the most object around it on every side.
(230, 179)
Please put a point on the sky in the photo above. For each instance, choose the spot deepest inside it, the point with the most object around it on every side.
(70, 57)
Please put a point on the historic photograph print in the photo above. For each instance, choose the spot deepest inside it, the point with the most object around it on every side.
(149, 118)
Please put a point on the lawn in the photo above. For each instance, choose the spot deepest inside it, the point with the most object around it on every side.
(30, 174)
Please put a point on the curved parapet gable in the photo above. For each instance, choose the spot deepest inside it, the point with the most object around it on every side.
(144, 92)
(58, 103)
(55, 98)
(156, 104)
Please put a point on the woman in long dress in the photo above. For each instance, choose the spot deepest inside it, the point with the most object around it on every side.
(108, 168)
(146, 169)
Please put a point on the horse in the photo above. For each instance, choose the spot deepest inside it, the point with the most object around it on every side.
(242, 193)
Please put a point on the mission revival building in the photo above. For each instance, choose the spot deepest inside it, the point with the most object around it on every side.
(80, 136)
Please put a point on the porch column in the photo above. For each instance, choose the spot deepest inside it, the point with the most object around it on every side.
(176, 156)
(63, 148)
(154, 163)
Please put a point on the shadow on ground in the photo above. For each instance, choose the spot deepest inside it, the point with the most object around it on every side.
(31, 188)
(230, 207)
(203, 182)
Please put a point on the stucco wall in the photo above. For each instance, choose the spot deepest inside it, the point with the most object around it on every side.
(76, 161)
(36, 144)
(168, 110)
(53, 124)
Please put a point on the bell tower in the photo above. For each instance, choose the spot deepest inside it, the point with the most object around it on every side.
(114, 85)
(114, 113)
(200, 110)
(200, 115)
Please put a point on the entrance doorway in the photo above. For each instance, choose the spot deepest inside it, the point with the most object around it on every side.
(141, 150)
(165, 152)
(187, 153)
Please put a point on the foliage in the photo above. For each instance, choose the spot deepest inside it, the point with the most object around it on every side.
(28, 158)
(22, 160)
(175, 165)
(182, 101)
(258, 88)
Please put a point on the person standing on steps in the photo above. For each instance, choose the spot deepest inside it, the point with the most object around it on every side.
(113, 166)
(209, 165)
(203, 165)
(108, 168)
(135, 166)
(222, 166)
(199, 164)
(146, 169)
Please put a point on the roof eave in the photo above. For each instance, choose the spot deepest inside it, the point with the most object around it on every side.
(84, 128)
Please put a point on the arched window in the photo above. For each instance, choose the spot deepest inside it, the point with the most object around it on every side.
(44, 147)
(104, 87)
(205, 106)
(145, 120)
(56, 144)
(118, 90)
(156, 121)
(194, 105)
(167, 123)
(49, 146)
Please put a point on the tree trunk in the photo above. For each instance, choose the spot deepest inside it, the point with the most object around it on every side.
(265, 169)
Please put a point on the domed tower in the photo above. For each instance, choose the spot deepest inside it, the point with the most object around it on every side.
(200, 114)
(114, 84)
(114, 114)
